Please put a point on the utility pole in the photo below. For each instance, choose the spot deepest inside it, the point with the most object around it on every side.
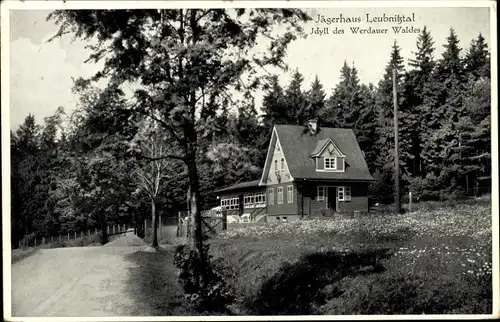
(396, 139)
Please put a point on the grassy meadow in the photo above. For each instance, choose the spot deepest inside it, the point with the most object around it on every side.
(435, 260)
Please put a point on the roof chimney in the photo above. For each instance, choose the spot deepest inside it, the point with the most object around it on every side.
(312, 125)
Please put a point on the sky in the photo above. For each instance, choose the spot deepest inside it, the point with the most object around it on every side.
(41, 72)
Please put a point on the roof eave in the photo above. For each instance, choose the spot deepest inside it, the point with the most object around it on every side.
(335, 179)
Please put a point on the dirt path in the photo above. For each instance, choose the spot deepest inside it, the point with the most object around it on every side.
(80, 281)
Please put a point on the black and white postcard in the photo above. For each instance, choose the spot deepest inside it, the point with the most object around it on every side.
(250, 160)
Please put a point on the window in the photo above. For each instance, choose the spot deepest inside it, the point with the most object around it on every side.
(254, 200)
(321, 193)
(347, 196)
(260, 200)
(275, 165)
(341, 193)
(280, 195)
(330, 164)
(270, 193)
(344, 193)
(230, 202)
(289, 194)
(282, 164)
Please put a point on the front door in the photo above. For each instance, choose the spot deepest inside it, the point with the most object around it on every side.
(331, 198)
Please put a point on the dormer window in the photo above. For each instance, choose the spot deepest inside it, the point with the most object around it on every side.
(275, 165)
(282, 164)
(330, 164)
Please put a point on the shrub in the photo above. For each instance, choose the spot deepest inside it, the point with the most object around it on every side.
(203, 280)
(323, 212)
(382, 189)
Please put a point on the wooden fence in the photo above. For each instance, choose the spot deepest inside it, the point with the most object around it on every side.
(40, 241)
(213, 221)
(164, 227)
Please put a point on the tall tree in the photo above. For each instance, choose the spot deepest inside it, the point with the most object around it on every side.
(180, 58)
(335, 104)
(315, 100)
(385, 124)
(437, 140)
(477, 59)
(347, 98)
(421, 92)
(149, 174)
(385, 107)
(365, 127)
(273, 104)
(25, 143)
(295, 100)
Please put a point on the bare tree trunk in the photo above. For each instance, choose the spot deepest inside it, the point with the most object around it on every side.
(190, 219)
(154, 239)
(194, 207)
(104, 232)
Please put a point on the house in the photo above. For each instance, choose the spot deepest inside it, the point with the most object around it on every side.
(307, 169)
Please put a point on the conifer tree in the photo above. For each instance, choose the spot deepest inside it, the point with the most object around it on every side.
(316, 99)
(295, 101)
(273, 104)
(477, 59)
(438, 140)
(365, 127)
(384, 104)
(421, 91)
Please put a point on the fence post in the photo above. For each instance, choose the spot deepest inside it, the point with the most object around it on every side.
(75, 234)
(88, 232)
(68, 236)
(179, 224)
(51, 239)
(107, 227)
(59, 237)
(114, 229)
(43, 240)
(160, 223)
(409, 204)
(96, 231)
(35, 241)
(224, 219)
(145, 227)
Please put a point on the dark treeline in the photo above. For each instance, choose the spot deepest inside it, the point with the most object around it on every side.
(78, 171)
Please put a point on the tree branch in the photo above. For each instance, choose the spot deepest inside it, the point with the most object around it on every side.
(162, 157)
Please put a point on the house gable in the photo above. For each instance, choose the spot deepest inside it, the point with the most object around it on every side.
(276, 168)
(329, 158)
(327, 146)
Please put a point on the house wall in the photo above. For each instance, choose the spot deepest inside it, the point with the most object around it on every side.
(308, 196)
(285, 208)
(340, 163)
(282, 218)
(285, 177)
(241, 195)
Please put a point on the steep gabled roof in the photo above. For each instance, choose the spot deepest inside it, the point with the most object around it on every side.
(322, 144)
(319, 146)
(298, 146)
